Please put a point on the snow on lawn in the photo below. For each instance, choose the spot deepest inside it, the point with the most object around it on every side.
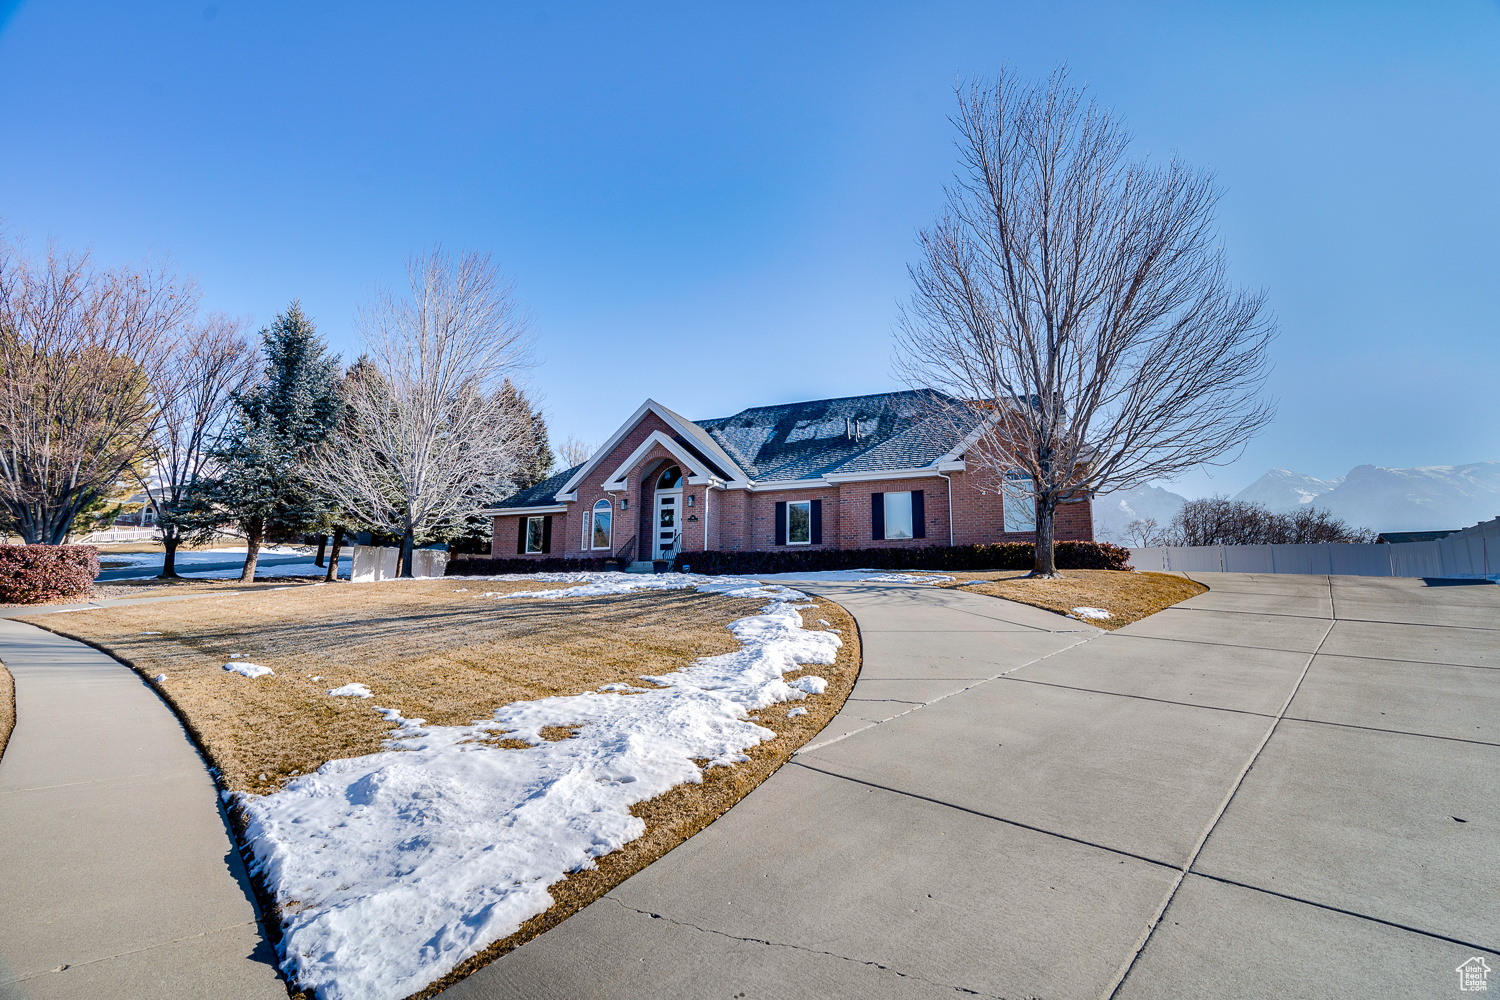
(351, 691)
(1097, 613)
(249, 669)
(859, 576)
(396, 866)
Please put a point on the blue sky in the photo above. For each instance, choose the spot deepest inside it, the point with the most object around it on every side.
(715, 205)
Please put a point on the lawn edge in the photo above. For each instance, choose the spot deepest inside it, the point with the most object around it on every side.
(268, 912)
(7, 707)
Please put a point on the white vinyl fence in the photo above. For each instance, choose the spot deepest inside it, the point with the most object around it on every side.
(1473, 553)
(372, 563)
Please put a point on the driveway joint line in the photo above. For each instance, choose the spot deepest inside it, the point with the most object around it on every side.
(991, 816)
(950, 694)
(1396, 732)
(1348, 913)
(1129, 964)
(801, 947)
(136, 951)
(1138, 697)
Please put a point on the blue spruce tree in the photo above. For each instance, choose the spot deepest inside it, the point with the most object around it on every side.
(292, 409)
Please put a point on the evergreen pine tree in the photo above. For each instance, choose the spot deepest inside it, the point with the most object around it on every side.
(537, 463)
(276, 425)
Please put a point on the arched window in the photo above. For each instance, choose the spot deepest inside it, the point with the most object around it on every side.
(671, 478)
(599, 537)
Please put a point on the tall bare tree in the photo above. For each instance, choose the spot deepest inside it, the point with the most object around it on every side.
(81, 348)
(195, 395)
(574, 451)
(430, 436)
(1077, 302)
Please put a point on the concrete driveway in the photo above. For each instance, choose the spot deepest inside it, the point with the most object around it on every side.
(1286, 787)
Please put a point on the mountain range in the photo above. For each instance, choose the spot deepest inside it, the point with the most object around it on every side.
(1424, 498)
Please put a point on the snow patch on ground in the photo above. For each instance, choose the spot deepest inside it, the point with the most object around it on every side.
(1086, 613)
(402, 864)
(248, 669)
(158, 678)
(799, 710)
(860, 576)
(351, 691)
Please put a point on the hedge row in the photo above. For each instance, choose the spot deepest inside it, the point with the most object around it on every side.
(1004, 555)
(30, 574)
(480, 566)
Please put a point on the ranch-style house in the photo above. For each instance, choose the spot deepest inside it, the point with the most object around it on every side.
(857, 472)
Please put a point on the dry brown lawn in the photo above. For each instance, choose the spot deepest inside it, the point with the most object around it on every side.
(439, 650)
(7, 707)
(1127, 596)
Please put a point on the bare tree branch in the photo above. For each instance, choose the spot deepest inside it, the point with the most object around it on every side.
(80, 350)
(1078, 301)
(430, 437)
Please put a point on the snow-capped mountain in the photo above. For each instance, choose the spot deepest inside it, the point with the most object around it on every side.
(1421, 499)
(1283, 489)
(1113, 511)
(1425, 498)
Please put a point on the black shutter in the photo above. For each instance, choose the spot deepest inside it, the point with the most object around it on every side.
(521, 541)
(877, 516)
(817, 522)
(781, 522)
(547, 533)
(918, 515)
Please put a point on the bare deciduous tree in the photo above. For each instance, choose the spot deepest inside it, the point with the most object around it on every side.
(1222, 521)
(195, 395)
(80, 350)
(574, 451)
(1078, 303)
(429, 436)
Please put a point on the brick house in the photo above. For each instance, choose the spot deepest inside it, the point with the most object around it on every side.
(857, 472)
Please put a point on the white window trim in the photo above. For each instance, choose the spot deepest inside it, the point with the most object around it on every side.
(541, 535)
(911, 517)
(798, 503)
(609, 509)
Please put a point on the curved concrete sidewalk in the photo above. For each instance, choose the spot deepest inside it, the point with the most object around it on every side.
(117, 874)
(1257, 793)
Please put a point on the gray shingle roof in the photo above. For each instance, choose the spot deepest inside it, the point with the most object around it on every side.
(897, 430)
(543, 494)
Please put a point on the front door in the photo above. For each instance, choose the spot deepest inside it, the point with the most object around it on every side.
(666, 534)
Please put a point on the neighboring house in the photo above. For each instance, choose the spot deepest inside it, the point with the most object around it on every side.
(858, 472)
(1399, 537)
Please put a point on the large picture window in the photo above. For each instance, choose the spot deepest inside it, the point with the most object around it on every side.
(1020, 504)
(600, 523)
(898, 515)
(536, 534)
(799, 522)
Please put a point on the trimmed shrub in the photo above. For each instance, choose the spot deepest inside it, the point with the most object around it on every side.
(30, 574)
(1003, 555)
(470, 566)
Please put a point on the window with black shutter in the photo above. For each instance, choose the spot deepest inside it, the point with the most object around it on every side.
(877, 516)
(817, 522)
(781, 522)
(918, 515)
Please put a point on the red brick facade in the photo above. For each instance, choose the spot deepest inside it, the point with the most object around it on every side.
(735, 518)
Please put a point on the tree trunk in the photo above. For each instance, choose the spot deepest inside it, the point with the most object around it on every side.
(322, 548)
(408, 542)
(254, 532)
(169, 556)
(1045, 567)
(333, 557)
